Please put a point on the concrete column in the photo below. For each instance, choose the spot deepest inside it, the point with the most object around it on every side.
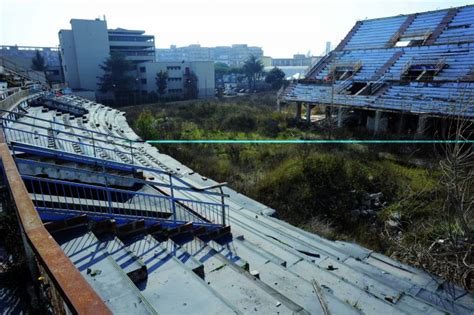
(444, 129)
(327, 112)
(339, 116)
(309, 108)
(378, 116)
(401, 123)
(298, 110)
(420, 130)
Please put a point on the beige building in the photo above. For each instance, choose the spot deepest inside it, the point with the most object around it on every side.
(178, 72)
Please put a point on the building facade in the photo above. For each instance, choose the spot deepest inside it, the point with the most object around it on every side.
(178, 73)
(298, 60)
(234, 55)
(89, 43)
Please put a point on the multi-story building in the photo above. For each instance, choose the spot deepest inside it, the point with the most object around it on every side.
(234, 55)
(89, 43)
(137, 46)
(178, 73)
(298, 60)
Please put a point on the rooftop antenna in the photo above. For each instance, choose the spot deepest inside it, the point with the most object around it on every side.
(104, 18)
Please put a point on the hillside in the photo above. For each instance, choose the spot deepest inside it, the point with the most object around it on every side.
(370, 194)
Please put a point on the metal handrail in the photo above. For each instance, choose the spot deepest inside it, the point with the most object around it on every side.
(88, 198)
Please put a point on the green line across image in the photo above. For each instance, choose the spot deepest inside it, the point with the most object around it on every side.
(217, 141)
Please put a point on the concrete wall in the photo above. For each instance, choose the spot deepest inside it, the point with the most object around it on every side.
(92, 49)
(83, 50)
(204, 70)
(69, 59)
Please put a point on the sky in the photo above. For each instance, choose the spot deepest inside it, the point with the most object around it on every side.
(281, 27)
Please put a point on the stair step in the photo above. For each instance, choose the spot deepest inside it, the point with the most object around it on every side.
(238, 286)
(167, 275)
(126, 259)
(370, 302)
(229, 253)
(105, 276)
(185, 257)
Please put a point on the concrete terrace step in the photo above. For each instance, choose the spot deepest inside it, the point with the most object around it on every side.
(365, 297)
(247, 293)
(185, 257)
(127, 260)
(283, 236)
(299, 289)
(105, 276)
(168, 277)
(345, 248)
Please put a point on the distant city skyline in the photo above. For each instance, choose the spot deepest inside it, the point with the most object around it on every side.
(281, 27)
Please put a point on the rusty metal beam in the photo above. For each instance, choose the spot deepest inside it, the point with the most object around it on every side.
(74, 289)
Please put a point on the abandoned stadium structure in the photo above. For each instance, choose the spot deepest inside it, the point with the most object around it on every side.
(408, 72)
(111, 225)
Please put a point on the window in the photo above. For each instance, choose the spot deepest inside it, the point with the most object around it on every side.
(173, 67)
(143, 81)
(142, 69)
(175, 79)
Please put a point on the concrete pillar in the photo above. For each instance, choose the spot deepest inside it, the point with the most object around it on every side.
(340, 112)
(444, 128)
(309, 108)
(327, 112)
(298, 110)
(378, 116)
(420, 130)
(401, 123)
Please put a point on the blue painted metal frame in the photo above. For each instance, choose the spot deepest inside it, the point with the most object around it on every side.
(14, 114)
(66, 156)
(127, 202)
(49, 214)
(33, 163)
(127, 143)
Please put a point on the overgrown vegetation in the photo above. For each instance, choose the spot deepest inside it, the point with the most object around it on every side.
(317, 187)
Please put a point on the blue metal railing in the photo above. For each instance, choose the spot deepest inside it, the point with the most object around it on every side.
(60, 196)
(13, 115)
(102, 176)
(60, 144)
(50, 139)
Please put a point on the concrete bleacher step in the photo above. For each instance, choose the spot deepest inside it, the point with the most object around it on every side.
(368, 298)
(237, 285)
(242, 247)
(105, 276)
(167, 275)
(127, 260)
(294, 287)
(185, 257)
(353, 250)
(278, 234)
